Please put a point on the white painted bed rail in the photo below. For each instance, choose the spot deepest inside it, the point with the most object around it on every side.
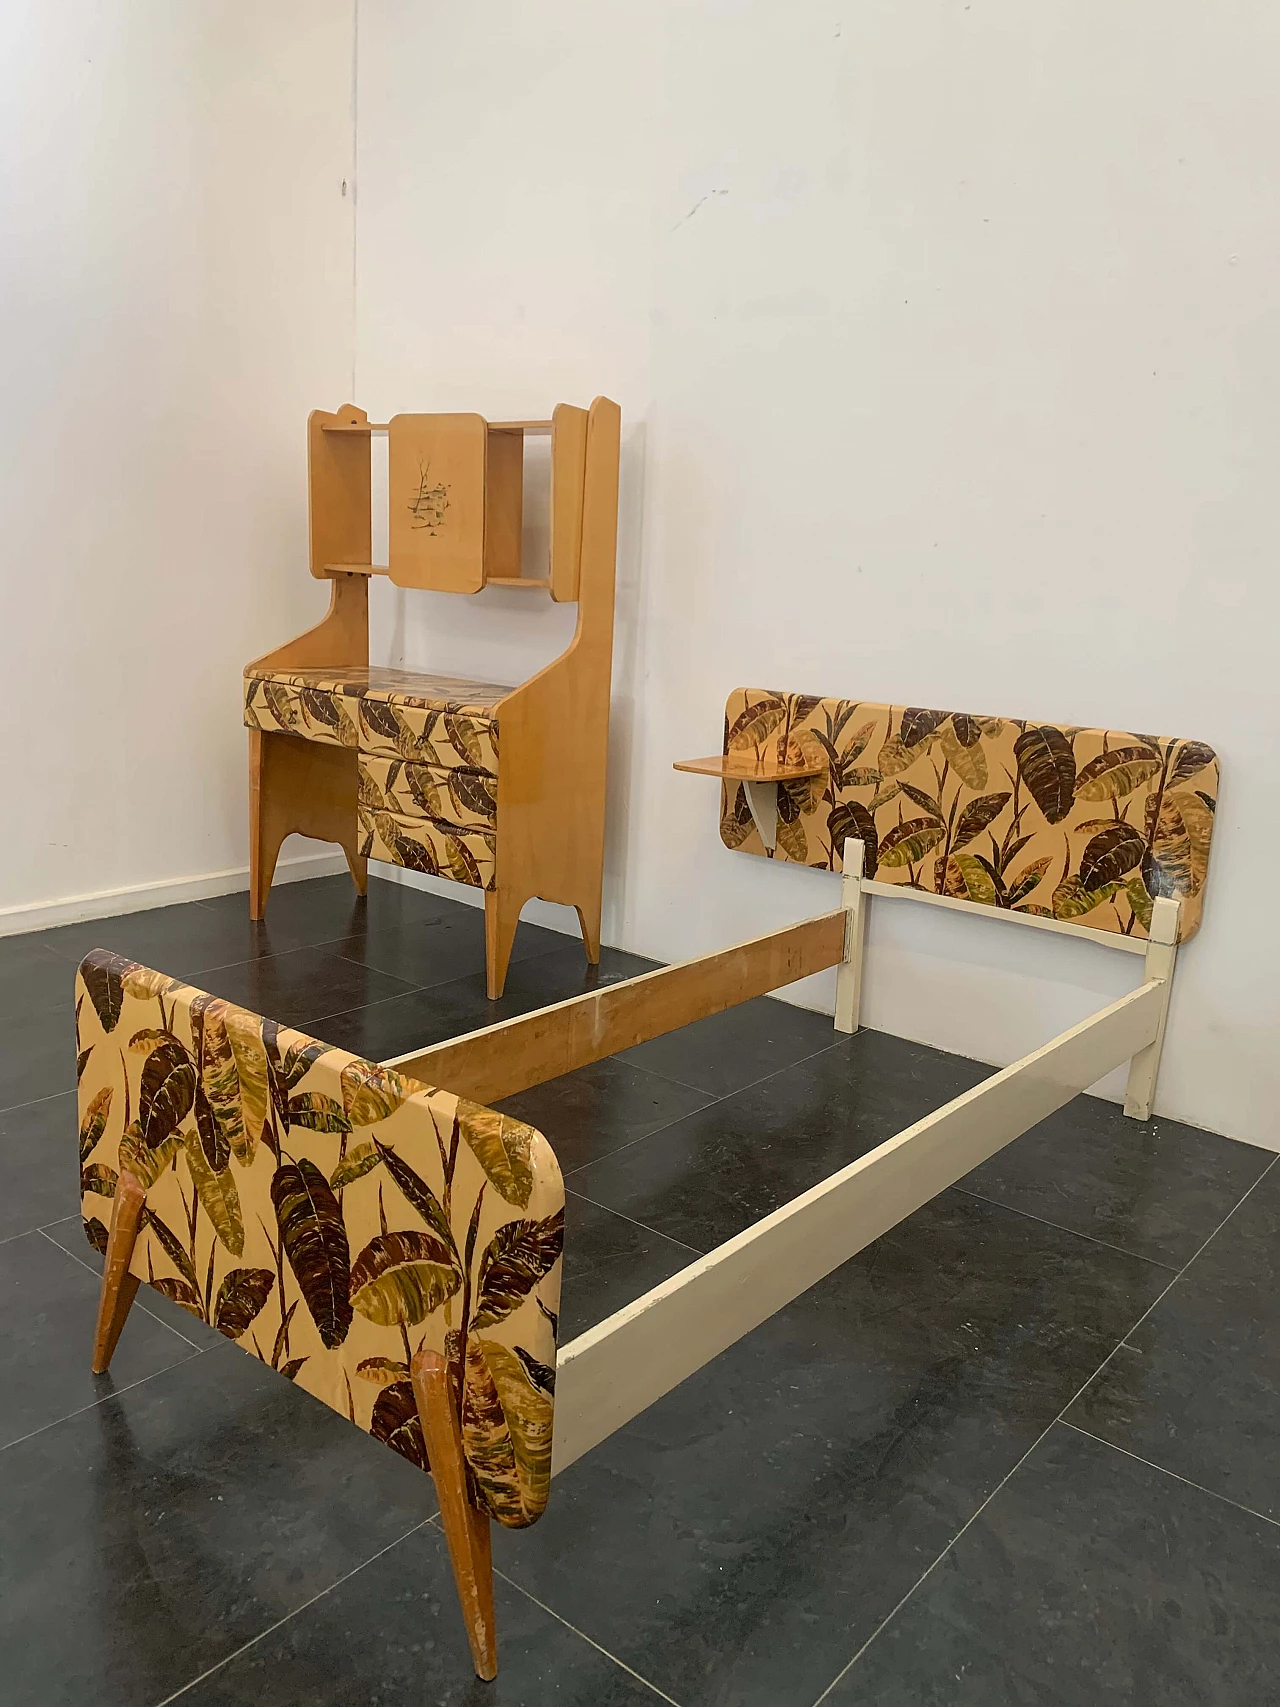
(618, 1368)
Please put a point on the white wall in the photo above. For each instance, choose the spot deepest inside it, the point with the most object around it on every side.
(176, 293)
(946, 342)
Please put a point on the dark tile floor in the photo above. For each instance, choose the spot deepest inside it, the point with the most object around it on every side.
(1022, 1450)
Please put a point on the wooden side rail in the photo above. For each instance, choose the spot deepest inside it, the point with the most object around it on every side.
(623, 1365)
(503, 1059)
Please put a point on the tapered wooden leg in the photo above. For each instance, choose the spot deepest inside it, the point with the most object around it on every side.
(265, 832)
(501, 916)
(466, 1529)
(358, 866)
(589, 921)
(118, 1285)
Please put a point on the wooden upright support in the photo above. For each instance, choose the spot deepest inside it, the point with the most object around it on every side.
(849, 971)
(1162, 951)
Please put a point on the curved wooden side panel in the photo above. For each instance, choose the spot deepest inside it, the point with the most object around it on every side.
(555, 731)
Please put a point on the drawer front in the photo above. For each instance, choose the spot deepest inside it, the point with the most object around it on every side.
(423, 736)
(285, 708)
(429, 819)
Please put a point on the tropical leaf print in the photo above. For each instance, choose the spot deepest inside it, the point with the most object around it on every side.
(396, 1422)
(382, 1371)
(909, 842)
(241, 1298)
(1109, 855)
(244, 1034)
(103, 977)
(403, 1277)
(501, 1145)
(516, 1259)
(358, 1161)
(1112, 776)
(455, 1214)
(220, 1082)
(217, 1195)
(98, 1177)
(315, 1242)
(94, 1123)
(167, 1091)
(1047, 764)
(371, 1093)
(506, 1432)
(416, 1190)
(986, 810)
(318, 1112)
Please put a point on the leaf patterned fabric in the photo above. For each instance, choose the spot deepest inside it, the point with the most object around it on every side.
(329, 1216)
(430, 819)
(1090, 825)
(428, 753)
(441, 720)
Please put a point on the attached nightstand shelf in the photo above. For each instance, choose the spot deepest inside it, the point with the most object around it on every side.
(759, 776)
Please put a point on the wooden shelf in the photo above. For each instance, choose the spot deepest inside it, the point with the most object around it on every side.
(518, 581)
(355, 568)
(382, 426)
(749, 767)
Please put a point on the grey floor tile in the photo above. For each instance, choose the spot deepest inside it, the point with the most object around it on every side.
(608, 1263)
(302, 987)
(735, 1048)
(437, 952)
(739, 1540)
(37, 1053)
(150, 1537)
(1196, 1388)
(48, 1307)
(392, 1634)
(33, 979)
(724, 1167)
(414, 1021)
(69, 1235)
(1156, 1187)
(601, 1108)
(38, 1164)
(1089, 1579)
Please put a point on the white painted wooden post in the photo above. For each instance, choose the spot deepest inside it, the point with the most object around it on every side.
(849, 972)
(1162, 949)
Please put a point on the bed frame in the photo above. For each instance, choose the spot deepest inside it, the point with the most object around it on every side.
(614, 1371)
(624, 1364)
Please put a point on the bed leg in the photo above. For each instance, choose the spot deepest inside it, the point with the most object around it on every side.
(466, 1529)
(119, 1287)
(1162, 949)
(849, 971)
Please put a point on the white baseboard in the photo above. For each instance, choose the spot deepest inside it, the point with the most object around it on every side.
(140, 897)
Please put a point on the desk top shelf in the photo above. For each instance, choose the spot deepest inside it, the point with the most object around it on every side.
(367, 427)
(750, 766)
(455, 499)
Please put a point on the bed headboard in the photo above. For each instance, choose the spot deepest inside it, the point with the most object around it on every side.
(1089, 825)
